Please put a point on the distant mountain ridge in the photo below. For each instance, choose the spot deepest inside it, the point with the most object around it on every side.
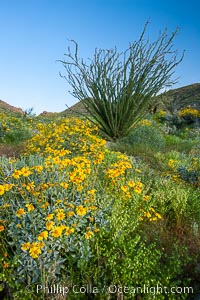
(7, 108)
(180, 97)
(188, 95)
(190, 92)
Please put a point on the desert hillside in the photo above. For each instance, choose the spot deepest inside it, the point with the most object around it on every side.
(176, 98)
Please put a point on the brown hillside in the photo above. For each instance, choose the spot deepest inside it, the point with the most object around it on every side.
(5, 107)
(75, 110)
(187, 95)
(174, 99)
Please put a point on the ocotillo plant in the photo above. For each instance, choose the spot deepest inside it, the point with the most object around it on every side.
(117, 88)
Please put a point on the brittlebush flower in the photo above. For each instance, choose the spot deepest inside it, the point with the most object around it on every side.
(44, 206)
(2, 189)
(30, 207)
(25, 172)
(91, 192)
(64, 185)
(25, 246)
(50, 217)
(146, 197)
(89, 235)
(68, 230)
(43, 235)
(81, 211)
(6, 265)
(30, 186)
(20, 212)
(60, 216)
(131, 183)
(158, 215)
(35, 252)
(93, 207)
(2, 228)
(38, 168)
(49, 225)
(124, 188)
(57, 231)
(16, 174)
(70, 213)
(138, 187)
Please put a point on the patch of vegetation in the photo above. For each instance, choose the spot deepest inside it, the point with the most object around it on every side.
(74, 210)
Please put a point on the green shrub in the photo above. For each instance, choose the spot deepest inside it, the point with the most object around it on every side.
(174, 142)
(190, 176)
(17, 136)
(147, 137)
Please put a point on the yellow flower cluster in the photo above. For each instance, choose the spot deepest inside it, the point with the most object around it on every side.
(5, 188)
(189, 111)
(162, 113)
(65, 185)
(33, 248)
(119, 168)
(145, 122)
(171, 163)
(151, 215)
(87, 142)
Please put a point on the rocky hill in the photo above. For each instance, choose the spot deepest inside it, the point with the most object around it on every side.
(7, 108)
(176, 99)
(171, 100)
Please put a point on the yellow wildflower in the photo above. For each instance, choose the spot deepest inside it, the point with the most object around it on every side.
(43, 235)
(25, 171)
(91, 192)
(16, 174)
(49, 217)
(89, 235)
(158, 215)
(138, 171)
(81, 211)
(146, 197)
(49, 225)
(2, 189)
(71, 205)
(30, 207)
(20, 212)
(60, 216)
(68, 230)
(35, 251)
(131, 183)
(6, 265)
(57, 231)
(124, 188)
(30, 186)
(64, 185)
(70, 213)
(25, 246)
(2, 228)
(93, 207)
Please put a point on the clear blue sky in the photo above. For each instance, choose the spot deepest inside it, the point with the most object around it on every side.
(34, 34)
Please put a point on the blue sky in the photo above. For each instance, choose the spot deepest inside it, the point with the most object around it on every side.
(34, 35)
